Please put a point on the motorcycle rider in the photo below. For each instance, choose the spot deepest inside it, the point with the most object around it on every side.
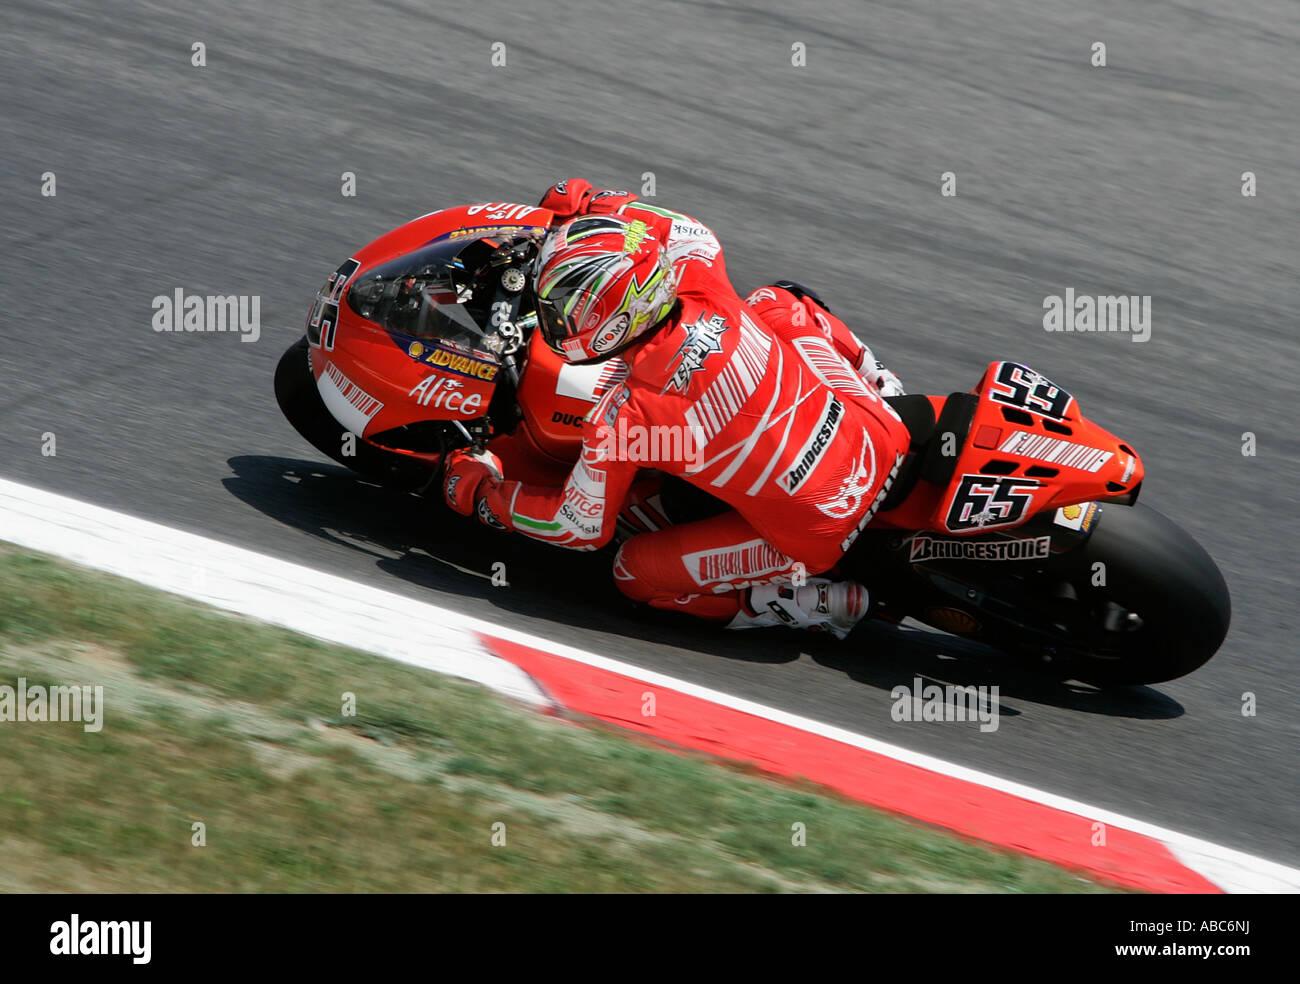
(770, 404)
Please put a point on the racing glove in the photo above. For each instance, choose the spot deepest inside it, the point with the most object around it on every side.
(577, 196)
(467, 481)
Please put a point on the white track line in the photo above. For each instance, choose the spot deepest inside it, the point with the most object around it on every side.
(414, 632)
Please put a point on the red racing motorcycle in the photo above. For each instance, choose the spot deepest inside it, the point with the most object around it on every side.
(1010, 518)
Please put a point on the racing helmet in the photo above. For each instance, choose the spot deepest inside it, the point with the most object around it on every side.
(602, 281)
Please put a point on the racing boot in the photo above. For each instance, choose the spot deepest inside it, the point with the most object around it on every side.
(821, 605)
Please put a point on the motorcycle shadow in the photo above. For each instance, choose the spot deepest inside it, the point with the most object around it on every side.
(420, 541)
(886, 656)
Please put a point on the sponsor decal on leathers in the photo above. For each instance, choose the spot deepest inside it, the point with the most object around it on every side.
(703, 338)
(809, 456)
(744, 561)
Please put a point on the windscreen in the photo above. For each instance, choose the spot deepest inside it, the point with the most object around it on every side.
(422, 295)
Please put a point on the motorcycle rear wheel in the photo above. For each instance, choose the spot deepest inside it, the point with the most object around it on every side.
(1148, 605)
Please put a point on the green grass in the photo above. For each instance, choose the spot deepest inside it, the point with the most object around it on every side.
(227, 722)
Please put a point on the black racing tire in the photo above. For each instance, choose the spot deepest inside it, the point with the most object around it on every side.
(1159, 573)
(302, 406)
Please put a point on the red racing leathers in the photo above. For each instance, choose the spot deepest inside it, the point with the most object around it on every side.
(760, 404)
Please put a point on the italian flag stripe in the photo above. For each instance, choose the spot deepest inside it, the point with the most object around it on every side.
(533, 523)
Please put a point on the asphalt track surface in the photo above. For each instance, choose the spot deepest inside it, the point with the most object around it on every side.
(1117, 180)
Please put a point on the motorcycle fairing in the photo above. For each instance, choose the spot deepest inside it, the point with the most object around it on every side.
(393, 378)
(1025, 449)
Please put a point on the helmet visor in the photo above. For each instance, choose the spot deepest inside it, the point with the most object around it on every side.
(560, 314)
